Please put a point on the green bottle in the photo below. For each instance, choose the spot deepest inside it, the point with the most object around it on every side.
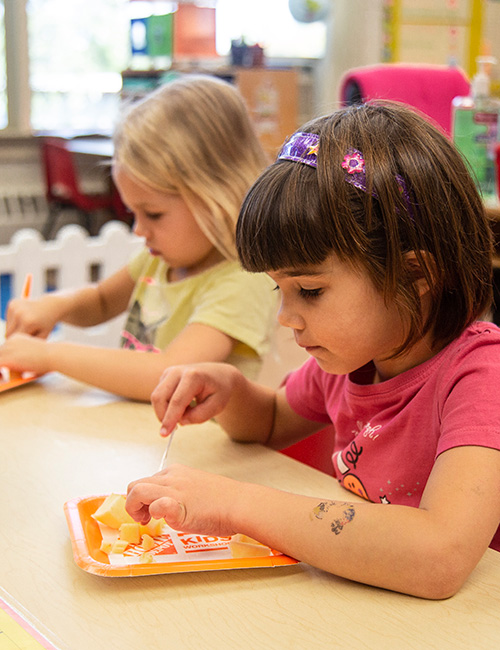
(475, 129)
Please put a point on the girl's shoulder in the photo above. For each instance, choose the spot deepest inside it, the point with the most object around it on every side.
(481, 335)
(473, 358)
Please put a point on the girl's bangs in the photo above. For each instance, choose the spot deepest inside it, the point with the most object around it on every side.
(280, 220)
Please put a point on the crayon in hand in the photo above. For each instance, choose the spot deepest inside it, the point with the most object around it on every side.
(26, 292)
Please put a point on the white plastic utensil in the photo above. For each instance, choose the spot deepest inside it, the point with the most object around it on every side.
(163, 461)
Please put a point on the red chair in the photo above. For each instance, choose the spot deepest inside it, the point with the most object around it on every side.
(429, 88)
(315, 451)
(62, 188)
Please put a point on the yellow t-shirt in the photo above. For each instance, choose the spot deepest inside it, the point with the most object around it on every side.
(240, 304)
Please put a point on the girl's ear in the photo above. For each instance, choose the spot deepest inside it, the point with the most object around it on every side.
(422, 276)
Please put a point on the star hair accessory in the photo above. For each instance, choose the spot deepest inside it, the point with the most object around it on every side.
(301, 147)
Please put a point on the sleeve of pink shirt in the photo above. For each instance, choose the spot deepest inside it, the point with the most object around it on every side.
(469, 395)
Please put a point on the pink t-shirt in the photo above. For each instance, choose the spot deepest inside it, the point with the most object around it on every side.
(389, 435)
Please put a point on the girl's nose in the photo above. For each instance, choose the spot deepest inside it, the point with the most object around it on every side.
(138, 228)
(288, 317)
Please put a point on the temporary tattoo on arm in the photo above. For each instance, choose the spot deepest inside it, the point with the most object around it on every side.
(322, 508)
(337, 524)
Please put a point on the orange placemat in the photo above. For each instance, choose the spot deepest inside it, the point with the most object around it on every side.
(174, 551)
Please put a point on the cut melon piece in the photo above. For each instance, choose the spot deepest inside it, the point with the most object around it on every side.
(153, 528)
(240, 547)
(119, 546)
(105, 547)
(130, 533)
(147, 542)
(112, 512)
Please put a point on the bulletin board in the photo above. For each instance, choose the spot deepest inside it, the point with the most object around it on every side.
(437, 31)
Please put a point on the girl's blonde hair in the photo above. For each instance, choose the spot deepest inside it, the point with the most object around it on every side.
(193, 137)
(298, 215)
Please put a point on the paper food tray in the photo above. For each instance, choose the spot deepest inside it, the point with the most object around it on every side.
(7, 384)
(174, 552)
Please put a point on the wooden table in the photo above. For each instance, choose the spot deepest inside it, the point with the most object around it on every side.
(62, 440)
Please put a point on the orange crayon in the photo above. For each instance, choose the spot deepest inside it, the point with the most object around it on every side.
(26, 292)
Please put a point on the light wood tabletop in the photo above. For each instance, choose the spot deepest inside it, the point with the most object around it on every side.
(61, 440)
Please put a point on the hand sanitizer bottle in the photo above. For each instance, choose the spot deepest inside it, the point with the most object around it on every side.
(475, 129)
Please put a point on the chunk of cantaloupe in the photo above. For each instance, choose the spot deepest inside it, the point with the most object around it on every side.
(112, 512)
(119, 546)
(147, 542)
(153, 527)
(130, 533)
(244, 546)
(106, 547)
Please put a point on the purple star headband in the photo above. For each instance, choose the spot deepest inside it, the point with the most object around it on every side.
(303, 147)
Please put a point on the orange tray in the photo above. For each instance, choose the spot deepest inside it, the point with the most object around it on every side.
(8, 384)
(86, 540)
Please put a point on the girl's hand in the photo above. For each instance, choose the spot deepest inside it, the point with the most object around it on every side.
(192, 394)
(34, 317)
(21, 353)
(189, 500)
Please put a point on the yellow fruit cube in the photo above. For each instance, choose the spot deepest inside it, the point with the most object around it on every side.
(146, 558)
(119, 546)
(239, 537)
(153, 527)
(112, 512)
(240, 547)
(147, 542)
(105, 547)
(130, 533)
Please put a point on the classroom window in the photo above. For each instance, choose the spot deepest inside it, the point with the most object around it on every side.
(77, 50)
(270, 24)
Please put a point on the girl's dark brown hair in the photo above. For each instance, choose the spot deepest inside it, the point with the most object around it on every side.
(296, 216)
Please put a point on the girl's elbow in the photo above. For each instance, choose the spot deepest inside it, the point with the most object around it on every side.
(445, 572)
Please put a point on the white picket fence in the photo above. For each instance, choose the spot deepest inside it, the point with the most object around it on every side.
(70, 261)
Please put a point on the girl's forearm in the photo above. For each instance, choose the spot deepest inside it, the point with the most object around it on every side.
(83, 308)
(80, 308)
(128, 373)
(249, 414)
(395, 547)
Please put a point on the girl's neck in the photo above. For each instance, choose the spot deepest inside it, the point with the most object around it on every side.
(421, 352)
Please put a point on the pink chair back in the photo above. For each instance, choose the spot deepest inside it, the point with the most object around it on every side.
(429, 88)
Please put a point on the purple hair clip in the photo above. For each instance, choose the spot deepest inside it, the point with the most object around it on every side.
(303, 147)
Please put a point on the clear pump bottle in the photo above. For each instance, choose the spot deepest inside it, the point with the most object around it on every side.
(475, 128)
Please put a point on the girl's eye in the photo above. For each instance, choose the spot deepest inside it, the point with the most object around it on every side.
(154, 216)
(309, 294)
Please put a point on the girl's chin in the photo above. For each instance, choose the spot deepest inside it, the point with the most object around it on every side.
(327, 363)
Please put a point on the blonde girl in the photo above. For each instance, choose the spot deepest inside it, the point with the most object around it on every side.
(184, 158)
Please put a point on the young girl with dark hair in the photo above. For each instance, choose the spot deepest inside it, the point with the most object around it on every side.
(373, 231)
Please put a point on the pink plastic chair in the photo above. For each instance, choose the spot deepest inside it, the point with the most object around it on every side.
(429, 88)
